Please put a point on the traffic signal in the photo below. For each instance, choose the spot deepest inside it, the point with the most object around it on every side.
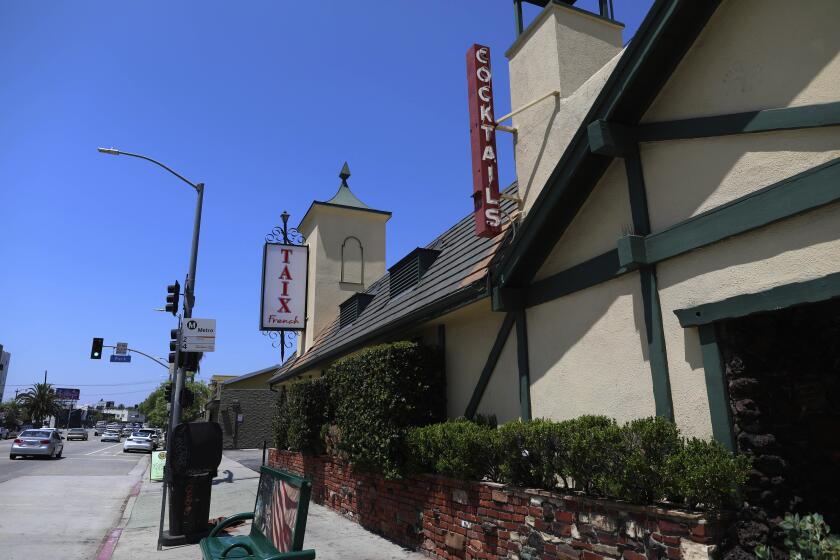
(167, 392)
(174, 338)
(189, 360)
(173, 292)
(187, 398)
(96, 349)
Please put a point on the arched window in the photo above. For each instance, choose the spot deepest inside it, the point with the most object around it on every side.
(352, 261)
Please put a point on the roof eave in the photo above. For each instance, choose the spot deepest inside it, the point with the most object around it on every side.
(662, 40)
(469, 294)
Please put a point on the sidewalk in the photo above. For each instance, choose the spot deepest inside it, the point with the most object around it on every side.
(332, 536)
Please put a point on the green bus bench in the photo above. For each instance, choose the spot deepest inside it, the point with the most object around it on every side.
(279, 522)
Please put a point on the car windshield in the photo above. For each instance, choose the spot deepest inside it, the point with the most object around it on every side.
(36, 433)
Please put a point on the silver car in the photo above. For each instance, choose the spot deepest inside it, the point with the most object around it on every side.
(77, 433)
(138, 442)
(45, 443)
(111, 435)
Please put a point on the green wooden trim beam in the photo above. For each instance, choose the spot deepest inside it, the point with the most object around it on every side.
(716, 386)
(524, 366)
(610, 138)
(803, 192)
(579, 277)
(490, 365)
(657, 354)
(631, 252)
(768, 120)
(780, 297)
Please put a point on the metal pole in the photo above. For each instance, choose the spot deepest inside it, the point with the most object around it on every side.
(189, 301)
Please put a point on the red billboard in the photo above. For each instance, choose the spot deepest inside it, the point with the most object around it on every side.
(488, 217)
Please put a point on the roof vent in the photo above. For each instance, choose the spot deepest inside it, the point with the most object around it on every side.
(352, 307)
(408, 271)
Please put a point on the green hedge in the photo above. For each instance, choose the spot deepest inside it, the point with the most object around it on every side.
(643, 461)
(300, 414)
(380, 392)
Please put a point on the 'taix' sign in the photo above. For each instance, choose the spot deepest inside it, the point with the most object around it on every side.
(488, 217)
(283, 304)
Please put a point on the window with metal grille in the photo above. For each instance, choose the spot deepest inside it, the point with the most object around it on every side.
(352, 307)
(408, 271)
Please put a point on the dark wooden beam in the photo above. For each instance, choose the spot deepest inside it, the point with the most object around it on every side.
(490, 364)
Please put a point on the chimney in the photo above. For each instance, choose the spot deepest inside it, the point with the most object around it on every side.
(346, 240)
(568, 50)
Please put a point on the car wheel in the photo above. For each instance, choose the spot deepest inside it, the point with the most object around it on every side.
(58, 456)
(12, 457)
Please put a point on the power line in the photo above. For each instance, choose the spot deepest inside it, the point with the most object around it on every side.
(94, 384)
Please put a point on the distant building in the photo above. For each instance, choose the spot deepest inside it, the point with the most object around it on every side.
(243, 405)
(5, 357)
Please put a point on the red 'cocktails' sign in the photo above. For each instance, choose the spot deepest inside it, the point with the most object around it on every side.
(488, 217)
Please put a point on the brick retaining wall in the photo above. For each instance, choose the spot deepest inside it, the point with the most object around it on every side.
(447, 518)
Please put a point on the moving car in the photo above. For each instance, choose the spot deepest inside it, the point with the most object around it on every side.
(99, 428)
(77, 433)
(4, 432)
(138, 442)
(45, 443)
(111, 435)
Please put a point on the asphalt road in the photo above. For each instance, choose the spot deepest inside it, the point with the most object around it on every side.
(63, 508)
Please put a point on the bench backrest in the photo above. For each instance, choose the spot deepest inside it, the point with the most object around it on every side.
(280, 511)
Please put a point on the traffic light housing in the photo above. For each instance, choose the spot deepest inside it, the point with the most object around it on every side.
(173, 293)
(187, 398)
(189, 360)
(96, 349)
(167, 392)
(174, 339)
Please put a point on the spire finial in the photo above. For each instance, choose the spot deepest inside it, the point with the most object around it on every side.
(345, 173)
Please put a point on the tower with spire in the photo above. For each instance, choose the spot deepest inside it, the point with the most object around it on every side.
(346, 240)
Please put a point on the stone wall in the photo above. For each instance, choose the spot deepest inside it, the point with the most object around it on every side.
(257, 409)
(784, 391)
(447, 518)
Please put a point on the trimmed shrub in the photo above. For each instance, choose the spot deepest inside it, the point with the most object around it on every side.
(646, 446)
(377, 394)
(457, 448)
(300, 416)
(530, 453)
(705, 474)
(591, 453)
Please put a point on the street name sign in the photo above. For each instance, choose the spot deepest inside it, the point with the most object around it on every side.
(119, 358)
(198, 335)
(122, 348)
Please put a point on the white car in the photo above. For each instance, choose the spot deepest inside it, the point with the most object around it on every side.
(138, 442)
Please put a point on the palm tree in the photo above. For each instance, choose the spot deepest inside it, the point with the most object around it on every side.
(39, 402)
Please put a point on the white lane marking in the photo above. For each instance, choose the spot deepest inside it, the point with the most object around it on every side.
(103, 449)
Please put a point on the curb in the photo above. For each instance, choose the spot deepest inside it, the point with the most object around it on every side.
(109, 542)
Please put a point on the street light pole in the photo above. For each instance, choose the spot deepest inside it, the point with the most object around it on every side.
(189, 285)
(189, 303)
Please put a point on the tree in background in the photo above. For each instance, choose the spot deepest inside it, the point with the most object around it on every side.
(39, 402)
(13, 415)
(154, 407)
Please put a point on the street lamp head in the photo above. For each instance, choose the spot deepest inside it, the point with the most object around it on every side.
(112, 151)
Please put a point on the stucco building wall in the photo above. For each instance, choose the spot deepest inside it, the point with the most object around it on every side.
(588, 354)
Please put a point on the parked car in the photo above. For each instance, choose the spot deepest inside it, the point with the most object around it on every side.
(111, 435)
(151, 433)
(44, 443)
(138, 442)
(77, 433)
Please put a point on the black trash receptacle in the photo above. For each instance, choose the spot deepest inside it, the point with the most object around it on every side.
(195, 451)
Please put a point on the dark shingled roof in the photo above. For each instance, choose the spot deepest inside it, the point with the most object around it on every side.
(457, 276)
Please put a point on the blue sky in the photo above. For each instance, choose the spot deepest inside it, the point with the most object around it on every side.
(263, 102)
